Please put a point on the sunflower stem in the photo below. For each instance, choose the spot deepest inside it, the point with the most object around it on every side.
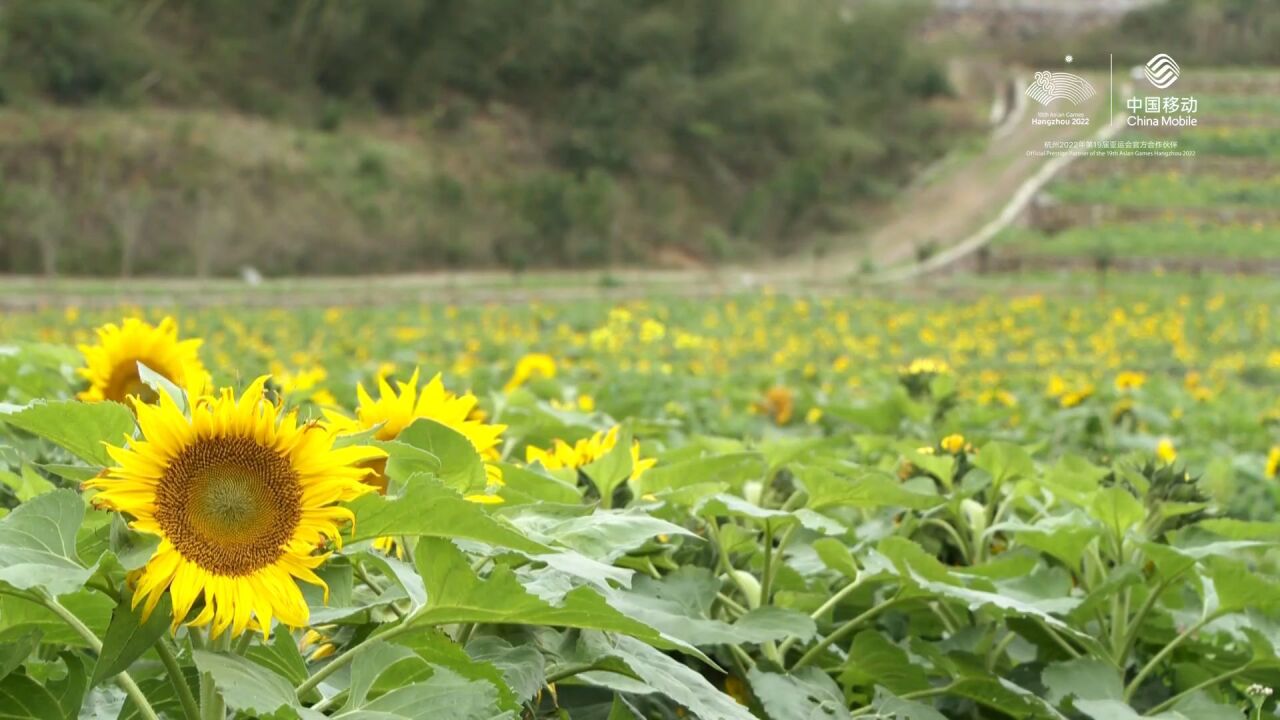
(243, 643)
(124, 679)
(189, 706)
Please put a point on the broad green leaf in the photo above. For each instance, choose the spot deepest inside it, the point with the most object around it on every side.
(875, 661)
(38, 544)
(523, 667)
(1004, 462)
(612, 469)
(402, 573)
(14, 652)
(245, 685)
(666, 675)
(870, 489)
(1117, 509)
(281, 656)
(1082, 678)
(22, 698)
(81, 428)
(603, 535)
(1065, 537)
(1118, 710)
(524, 485)
(732, 469)
(27, 485)
(379, 658)
(1239, 587)
(19, 615)
(888, 705)
(436, 648)
(444, 694)
(806, 694)
(1234, 529)
(461, 467)
(70, 690)
(778, 622)
(128, 637)
(835, 555)
(455, 594)
(429, 509)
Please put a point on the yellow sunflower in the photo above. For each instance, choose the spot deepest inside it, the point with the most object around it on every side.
(392, 412)
(585, 452)
(112, 364)
(531, 366)
(241, 497)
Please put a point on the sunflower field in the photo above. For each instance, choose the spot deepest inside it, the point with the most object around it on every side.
(774, 505)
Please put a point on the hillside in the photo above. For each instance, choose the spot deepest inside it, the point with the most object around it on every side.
(179, 138)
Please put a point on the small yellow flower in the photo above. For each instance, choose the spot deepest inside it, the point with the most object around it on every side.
(530, 366)
(1130, 380)
(953, 443)
(1166, 451)
(586, 451)
(586, 403)
(1273, 461)
(813, 416)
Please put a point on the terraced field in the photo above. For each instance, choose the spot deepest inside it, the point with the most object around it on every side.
(1217, 209)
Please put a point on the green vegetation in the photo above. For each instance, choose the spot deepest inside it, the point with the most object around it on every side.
(1172, 189)
(192, 137)
(1151, 241)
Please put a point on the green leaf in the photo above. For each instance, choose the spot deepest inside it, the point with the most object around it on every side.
(835, 555)
(1239, 587)
(732, 469)
(524, 485)
(22, 698)
(888, 705)
(522, 666)
(1082, 678)
(19, 615)
(604, 535)
(460, 467)
(128, 637)
(875, 661)
(808, 693)
(429, 509)
(27, 485)
(245, 685)
(1117, 509)
(613, 468)
(1004, 462)
(38, 544)
(869, 489)
(163, 385)
(436, 648)
(16, 651)
(281, 657)
(1117, 710)
(78, 427)
(666, 675)
(71, 689)
(444, 694)
(455, 594)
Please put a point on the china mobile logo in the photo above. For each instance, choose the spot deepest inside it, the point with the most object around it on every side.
(1049, 86)
(1162, 71)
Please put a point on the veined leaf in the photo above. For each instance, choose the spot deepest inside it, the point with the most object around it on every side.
(80, 428)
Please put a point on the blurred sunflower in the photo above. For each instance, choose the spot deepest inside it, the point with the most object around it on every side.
(111, 366)
(240, 497)
(392, 412)
(1273, 462)
(531, 366)
(586, 451)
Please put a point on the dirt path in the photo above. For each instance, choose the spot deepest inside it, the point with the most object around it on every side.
(969, 192)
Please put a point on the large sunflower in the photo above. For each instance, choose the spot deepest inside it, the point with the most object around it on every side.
(111, 366)
(240, 497)
(586, 451)
(392, 412)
